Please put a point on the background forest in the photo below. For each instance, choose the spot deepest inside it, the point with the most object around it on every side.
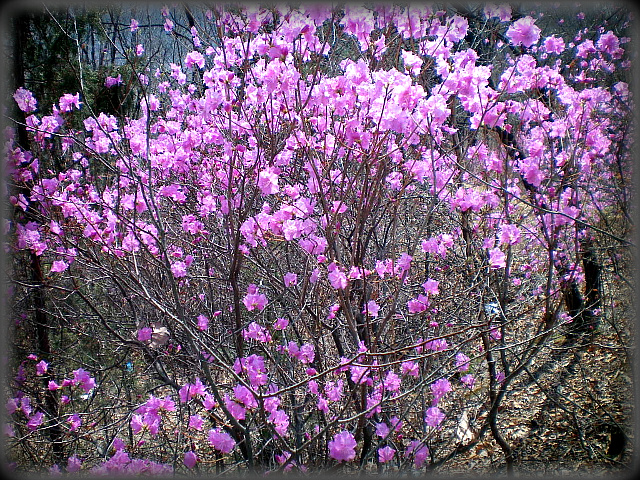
(370, 238)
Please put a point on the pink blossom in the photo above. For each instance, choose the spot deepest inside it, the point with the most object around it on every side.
(194, 58)
(203, 323)
(434, 417)
(74, 421)
(403, 263)
(280, 323)
(144, 334)
(73, 464)
(359, 374)
(35, 421)
(392, 381)
(462, 362)
(382, 429)
(68, 101)
(196, 422)
(139, 50)
(509, 234)
(25, 100)
(431, 287)
(25, 405)
(59, 266)
(179, 269)
(608, 43)
(323, 405)
(168, 25)
(410, 368)
(524, 32)
(334, 390)
(419, 451)
(268, 182)
(439, 389)
(437, 345)
(111, 81)
(118, 444)
(371, 309)
(221, 441)
(254, 300)
(342, 447)
(244, 396)
(468, 380)
(257, 332)
(209, 402)
(290, 279)
(134, 25)
(82, 377)
(418, 304)
(385, 454)
(41, 367)
(497, 259)
(337, 277)
(190, 459)
(553, 44)
(307, 353)
(412, 62)
(280, 420)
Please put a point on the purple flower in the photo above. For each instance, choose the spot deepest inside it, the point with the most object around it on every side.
(68, 101)
(194, 58)
(431, 287)
(342, 447)
(82, 377)
(25, 100)
(307, 353)
(434, 417)
(59, 266)
(372, 308)
(41, 367)
(386, 454)
(497, 259)
(35, 421)
(144, 334)
(524, 32)
(268, 182)
(196, 422)
(280, 420)
(73, 464)
(111, 81)
(410, 368)
(382, 429)
(439, 388)
(468, 381)
(74, 421)
(419, 452)
(280, 323)
(254, 300)
(462, 362)
(203, 322)
(179, 269)
(190, 459)
(221, 441)
(337, 277)
(290, 279)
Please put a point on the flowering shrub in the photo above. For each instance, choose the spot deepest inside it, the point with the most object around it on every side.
(293, 241)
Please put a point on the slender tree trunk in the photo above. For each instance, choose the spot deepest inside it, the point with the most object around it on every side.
(42, 321)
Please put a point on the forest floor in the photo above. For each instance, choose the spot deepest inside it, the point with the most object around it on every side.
(578, 418)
